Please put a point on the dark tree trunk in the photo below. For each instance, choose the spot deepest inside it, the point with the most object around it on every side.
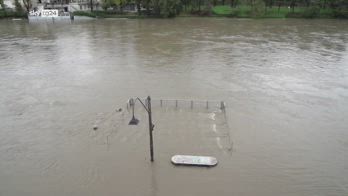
(324, 5)
(27, 5)
(292, 6)
(138, 7)
(279, 4)
(148, 7)
(199, 6)
(308, 3)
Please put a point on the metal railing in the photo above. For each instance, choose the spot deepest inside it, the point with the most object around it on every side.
(186, 104)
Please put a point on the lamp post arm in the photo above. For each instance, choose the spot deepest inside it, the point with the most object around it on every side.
(142, 104)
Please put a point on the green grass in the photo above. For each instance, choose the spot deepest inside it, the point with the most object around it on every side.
(222, 10)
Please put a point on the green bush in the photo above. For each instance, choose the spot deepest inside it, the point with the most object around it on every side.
(258, 9)
(311, 12)
(222, 10)
(340, 13)
(83, 13)
(294, 15)
(106, 14)
(12, 14)
(169, 8)
(235, 13)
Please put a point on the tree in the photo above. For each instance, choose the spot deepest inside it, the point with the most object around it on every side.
(107, 4)
(167, 8)
(340, 8)
(292, 5)
(120, 4)
(258, 8)
(18, 6)
(232, 3)
(27, 4)
(138, 2)
(2, 4)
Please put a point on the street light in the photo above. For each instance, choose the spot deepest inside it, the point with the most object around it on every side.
(135, 121)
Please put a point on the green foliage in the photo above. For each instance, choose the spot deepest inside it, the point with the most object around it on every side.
(83, 13)
(168, 8)
(258, 8)
(222, 10)
(106, 4)
(113, 4)
(11, 14)
(340, 13)
(3, 14)
(340, 8)
(260, 11)
(311, 12)
(243, 11)
(206, 11)
(105, 14)
(240, 8)
(276, 12)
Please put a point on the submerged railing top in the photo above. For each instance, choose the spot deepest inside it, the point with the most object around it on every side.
(184, 103)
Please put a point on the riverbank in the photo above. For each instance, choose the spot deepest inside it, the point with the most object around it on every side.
(275, 12)
(12, 14)
(106, 14)
(217, 11)
(234, 12)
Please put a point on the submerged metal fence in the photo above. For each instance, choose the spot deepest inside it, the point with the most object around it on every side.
(110, 124)
(193, 106)
(184, 104)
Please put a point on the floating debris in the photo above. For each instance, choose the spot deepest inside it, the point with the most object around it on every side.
(194, 160)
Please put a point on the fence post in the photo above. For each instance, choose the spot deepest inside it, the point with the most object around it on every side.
(222, 105)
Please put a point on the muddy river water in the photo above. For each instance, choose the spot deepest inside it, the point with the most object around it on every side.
(285, 83)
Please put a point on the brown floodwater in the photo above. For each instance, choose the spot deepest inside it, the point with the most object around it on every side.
(285, 83)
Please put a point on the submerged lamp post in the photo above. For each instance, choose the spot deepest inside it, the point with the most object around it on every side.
(135, 121)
